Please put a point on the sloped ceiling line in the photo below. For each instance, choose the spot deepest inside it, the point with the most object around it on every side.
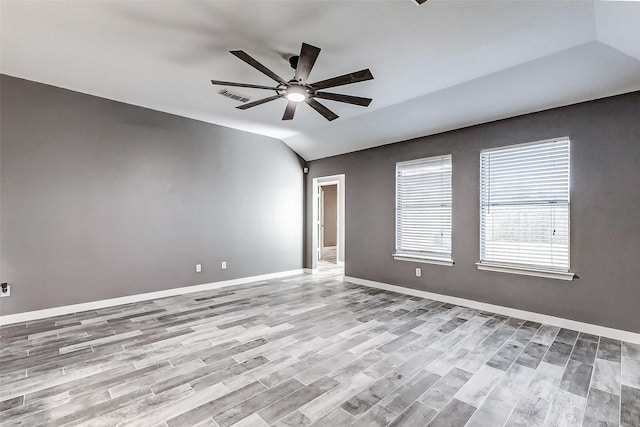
(437, 67)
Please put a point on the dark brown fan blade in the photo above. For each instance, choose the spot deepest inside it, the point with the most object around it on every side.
(356, 100)
(258, 102)
(328, 114)
(358, 76)
(308, 56)
(223, 83)
(290, 110)
(258, 66)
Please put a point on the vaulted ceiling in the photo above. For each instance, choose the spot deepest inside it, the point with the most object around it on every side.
(443, 65)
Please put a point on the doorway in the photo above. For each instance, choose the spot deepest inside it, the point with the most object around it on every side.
(328, 220)
(328, 211)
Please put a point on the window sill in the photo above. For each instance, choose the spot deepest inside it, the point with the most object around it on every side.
(422, 259)
(526, 271)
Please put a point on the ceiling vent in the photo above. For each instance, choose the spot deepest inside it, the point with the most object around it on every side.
(233, 95)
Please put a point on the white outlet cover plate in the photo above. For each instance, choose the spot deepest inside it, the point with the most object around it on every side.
(224, 264)
(6, 294)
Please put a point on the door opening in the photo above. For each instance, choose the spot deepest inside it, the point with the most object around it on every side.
(328, 223)
(328, 220)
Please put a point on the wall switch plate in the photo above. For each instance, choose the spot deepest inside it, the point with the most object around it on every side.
(198, 268)
(5, 291)
(224, 265)
(418, 272)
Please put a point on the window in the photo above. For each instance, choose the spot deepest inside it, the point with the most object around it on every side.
(524, 209)
(423, 210)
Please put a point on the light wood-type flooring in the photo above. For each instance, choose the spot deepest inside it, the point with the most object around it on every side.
(310, 350)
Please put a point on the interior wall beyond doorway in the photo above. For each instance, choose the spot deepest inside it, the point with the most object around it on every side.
(330, 214)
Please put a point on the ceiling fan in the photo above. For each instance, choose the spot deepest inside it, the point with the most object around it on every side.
(298, 90)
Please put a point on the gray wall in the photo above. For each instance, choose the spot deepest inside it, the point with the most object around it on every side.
(101, 199)
(330, 214)
(605, 213)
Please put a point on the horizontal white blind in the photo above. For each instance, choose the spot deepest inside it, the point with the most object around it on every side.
(524, 205)
(423, 207)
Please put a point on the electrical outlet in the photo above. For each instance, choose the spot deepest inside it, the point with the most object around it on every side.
(224, 265)
(5, 291)
(418, 272)
(198, 268)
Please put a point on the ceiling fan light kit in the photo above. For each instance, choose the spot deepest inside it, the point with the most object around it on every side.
(296, 93)
(297, 90)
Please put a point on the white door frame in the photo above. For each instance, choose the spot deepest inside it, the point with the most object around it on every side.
(339, 181)
(320, 221)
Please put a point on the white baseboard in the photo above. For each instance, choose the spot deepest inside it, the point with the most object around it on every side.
(28, 316)
(589, 328)
(311, 270)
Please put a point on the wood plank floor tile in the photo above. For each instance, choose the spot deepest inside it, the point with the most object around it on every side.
(297, 399)
(216, 406)
(324, 404)
(378, 416)
(567, 409)
(415, 415)
(631, 372)
(609, 349)
(531, 411)
(174, 409)
(630, 406)
(310, 350)
(365, 400)
(443, 391)
(576, 378)
(456, 413)
(337, 417)
(602, 409)
(475, 391)
(405, 395)
(256, 403)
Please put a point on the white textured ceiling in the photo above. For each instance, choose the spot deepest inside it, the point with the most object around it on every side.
(440, 66)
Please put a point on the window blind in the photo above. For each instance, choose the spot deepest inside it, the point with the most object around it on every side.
(524, 205)
(423, 208)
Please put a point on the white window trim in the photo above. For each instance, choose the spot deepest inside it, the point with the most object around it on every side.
(525, 271)
(423, 259)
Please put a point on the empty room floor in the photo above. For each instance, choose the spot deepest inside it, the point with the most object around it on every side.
(310, 351)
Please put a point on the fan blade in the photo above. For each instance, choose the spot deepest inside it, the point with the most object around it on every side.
(308, 56)
(223, 83)
(328, 114)
(258, 102)
(358, 76)
(258, 66)
(356, 100)
(290, 110)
